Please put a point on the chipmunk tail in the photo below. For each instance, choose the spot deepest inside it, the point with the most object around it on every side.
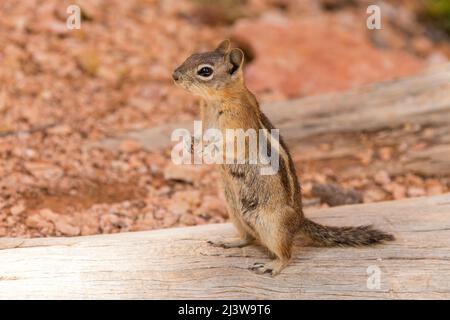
(344, 236)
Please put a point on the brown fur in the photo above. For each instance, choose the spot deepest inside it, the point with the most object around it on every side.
(266, 208)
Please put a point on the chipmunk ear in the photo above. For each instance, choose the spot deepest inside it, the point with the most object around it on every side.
(236, 58)
(224, 46)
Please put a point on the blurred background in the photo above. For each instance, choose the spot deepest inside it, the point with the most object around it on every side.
(61, 90)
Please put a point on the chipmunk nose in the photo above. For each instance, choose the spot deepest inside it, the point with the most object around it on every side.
(176, 75)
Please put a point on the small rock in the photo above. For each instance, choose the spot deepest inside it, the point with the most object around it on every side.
(90, 229)
(188, 219)
(358, 183)
(17, 209)
(192, 197)
(169, 220)
(382, 177)
(434, 187)
(49, 215)
(178, 207)
(415, 192)
(88, 62)
(307, 188)
(60, 130)
(436, 58)
(129, 146)
(385, 153)
(411, 179)
(148, 218)
(160, 214)
(365, 156)
(419, 146)
(335, 195)
(422, 45)
(108, 222)
(398, 191)
(435, 190)
(320, 178)
(373, 195)
(185, 172)
(44, 170)
(29, 153)
(35, 221)
(211, 205)
(163, 191)
(325, 146)
(66, 228)
(56, 27)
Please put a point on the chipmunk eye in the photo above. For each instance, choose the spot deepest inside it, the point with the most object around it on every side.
(205, 72)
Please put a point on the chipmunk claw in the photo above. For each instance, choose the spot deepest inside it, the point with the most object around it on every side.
(219, 244)
(262, 268)
(256, 265)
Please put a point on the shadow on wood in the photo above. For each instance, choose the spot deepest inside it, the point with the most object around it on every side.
(178, 264)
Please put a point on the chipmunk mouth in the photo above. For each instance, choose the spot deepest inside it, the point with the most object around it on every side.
(182, 81)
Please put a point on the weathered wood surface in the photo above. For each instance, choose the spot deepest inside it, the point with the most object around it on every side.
(178, 263)
(401, 110)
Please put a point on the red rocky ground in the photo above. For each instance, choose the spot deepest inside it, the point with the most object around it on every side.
(61, 89)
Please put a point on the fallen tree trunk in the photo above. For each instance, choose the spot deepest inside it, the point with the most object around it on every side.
(406, 114)
(178, 263)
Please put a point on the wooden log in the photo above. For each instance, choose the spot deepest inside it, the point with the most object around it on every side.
(399, 109)
(179, 264)
(421, 100)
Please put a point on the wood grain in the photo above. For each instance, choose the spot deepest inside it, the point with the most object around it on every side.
(178, 263)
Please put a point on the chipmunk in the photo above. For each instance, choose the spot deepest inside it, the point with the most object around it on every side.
(263, 208)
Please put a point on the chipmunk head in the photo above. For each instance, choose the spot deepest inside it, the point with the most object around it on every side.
(212, 74)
